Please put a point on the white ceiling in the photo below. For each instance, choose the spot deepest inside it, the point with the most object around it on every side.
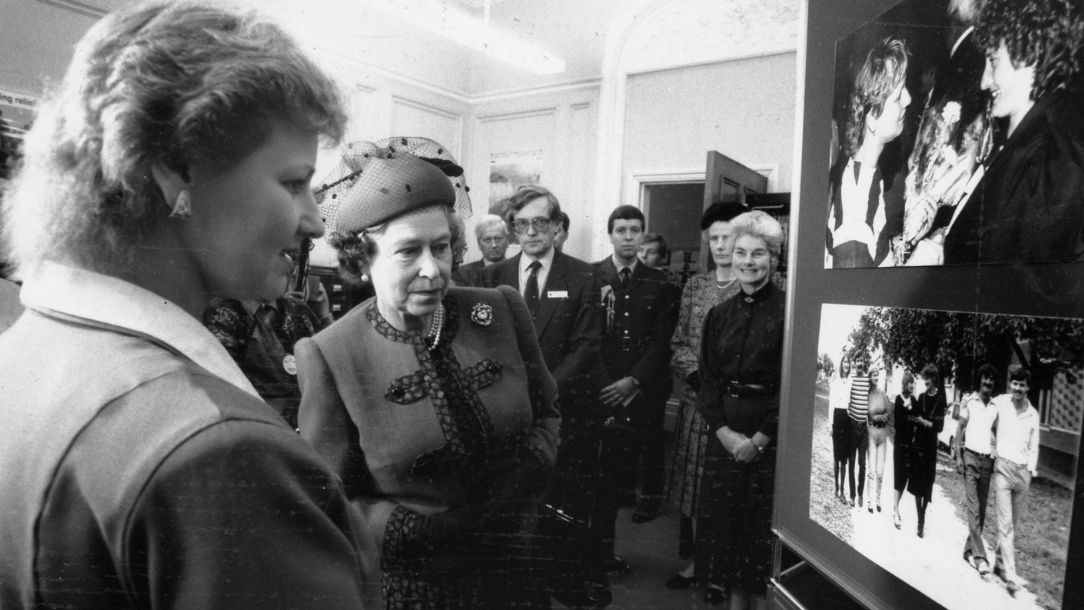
(574, 30)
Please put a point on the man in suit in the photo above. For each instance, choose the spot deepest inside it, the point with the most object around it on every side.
(492, 235)
(562, 294)
(639, 315)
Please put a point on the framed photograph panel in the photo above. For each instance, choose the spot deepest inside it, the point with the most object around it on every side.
(900, 283)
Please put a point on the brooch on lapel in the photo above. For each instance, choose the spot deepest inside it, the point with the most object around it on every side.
(481, 314)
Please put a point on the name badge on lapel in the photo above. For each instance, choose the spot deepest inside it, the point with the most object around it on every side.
(556, 294)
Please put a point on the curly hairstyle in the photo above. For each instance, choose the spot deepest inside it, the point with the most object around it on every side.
(884, 69)
(760, 224)
(356, 249)
(196, 83)
(1048, 34)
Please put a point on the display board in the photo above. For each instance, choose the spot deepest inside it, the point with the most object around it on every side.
(898, 303)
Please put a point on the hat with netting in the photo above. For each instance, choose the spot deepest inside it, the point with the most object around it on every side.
(377, 181)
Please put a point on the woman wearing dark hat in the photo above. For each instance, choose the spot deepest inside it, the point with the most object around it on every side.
(433, 404)
(702, 292)
(140, 469)
(741, 357)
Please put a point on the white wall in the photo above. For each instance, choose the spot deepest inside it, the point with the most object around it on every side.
(561, 124)
(672, 117)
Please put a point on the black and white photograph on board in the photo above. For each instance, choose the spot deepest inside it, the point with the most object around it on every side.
(959, 136)
(944, 448)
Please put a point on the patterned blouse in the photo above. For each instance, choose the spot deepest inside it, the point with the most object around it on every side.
(701, 293)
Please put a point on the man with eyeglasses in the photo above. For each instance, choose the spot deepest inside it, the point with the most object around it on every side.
(492, 235)
(562, 295)
(973, 460)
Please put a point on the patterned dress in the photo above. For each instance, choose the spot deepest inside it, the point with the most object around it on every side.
(701, 293)
(418, 430)
(262, 344)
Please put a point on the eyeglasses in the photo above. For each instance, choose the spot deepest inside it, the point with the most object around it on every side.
(539, 224)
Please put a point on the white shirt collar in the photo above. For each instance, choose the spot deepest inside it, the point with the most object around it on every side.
(619, 266)
(102, 301)
(546, 260)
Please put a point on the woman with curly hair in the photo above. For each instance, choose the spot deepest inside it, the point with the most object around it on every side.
(875, 113)
(1029, 205)
(140, 467)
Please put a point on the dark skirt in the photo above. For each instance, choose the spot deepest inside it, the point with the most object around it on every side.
(492, 573)
(922, 470)
(901, 465)
(733, 534)
(842, 433)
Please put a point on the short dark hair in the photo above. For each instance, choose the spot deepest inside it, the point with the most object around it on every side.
(625, 212)
(565, 221)
(1018, 372)
(988, 370)
(528, 193)
(1048, 34)
(657, 238)
(930, 371)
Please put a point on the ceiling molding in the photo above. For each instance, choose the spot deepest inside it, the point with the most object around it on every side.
(580, 85)
(454, 94)
(83, 8)
(708, 62)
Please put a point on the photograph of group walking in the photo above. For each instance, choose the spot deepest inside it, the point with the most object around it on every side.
(958, 136)
(937, 448)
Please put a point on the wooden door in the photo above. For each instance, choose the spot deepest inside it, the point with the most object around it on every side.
(727, 180)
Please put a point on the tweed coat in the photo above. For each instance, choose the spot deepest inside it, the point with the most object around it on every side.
(374, 407)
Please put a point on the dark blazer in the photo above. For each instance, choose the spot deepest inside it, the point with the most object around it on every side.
(568, 327)
(1029, 205)
(637, 324)
(470, 274)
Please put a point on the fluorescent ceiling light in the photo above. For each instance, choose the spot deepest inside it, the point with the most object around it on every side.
(437, 17)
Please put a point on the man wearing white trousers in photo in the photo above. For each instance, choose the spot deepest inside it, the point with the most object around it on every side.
(1016, 447)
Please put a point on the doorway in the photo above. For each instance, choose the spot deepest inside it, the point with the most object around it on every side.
(673, 209)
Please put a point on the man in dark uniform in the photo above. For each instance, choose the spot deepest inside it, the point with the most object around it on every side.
(639, 313)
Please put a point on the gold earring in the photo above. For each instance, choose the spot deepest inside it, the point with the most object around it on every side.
(182, 208)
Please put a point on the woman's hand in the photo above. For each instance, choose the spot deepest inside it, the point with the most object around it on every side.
(617, 392)
(746, 452)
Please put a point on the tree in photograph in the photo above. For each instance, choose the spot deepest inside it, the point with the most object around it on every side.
(826, 364)
(958, 343)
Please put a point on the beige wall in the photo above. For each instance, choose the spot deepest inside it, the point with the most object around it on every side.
(742, 108)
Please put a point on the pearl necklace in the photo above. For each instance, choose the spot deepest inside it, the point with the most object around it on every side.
(436, 326)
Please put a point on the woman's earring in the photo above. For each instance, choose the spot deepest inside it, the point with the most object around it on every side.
(182, 208)
(365, 277)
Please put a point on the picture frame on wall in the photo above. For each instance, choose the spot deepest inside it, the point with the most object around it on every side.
(831, 288)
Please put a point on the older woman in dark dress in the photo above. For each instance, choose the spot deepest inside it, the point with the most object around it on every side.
(433, 403)
(740, 361)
